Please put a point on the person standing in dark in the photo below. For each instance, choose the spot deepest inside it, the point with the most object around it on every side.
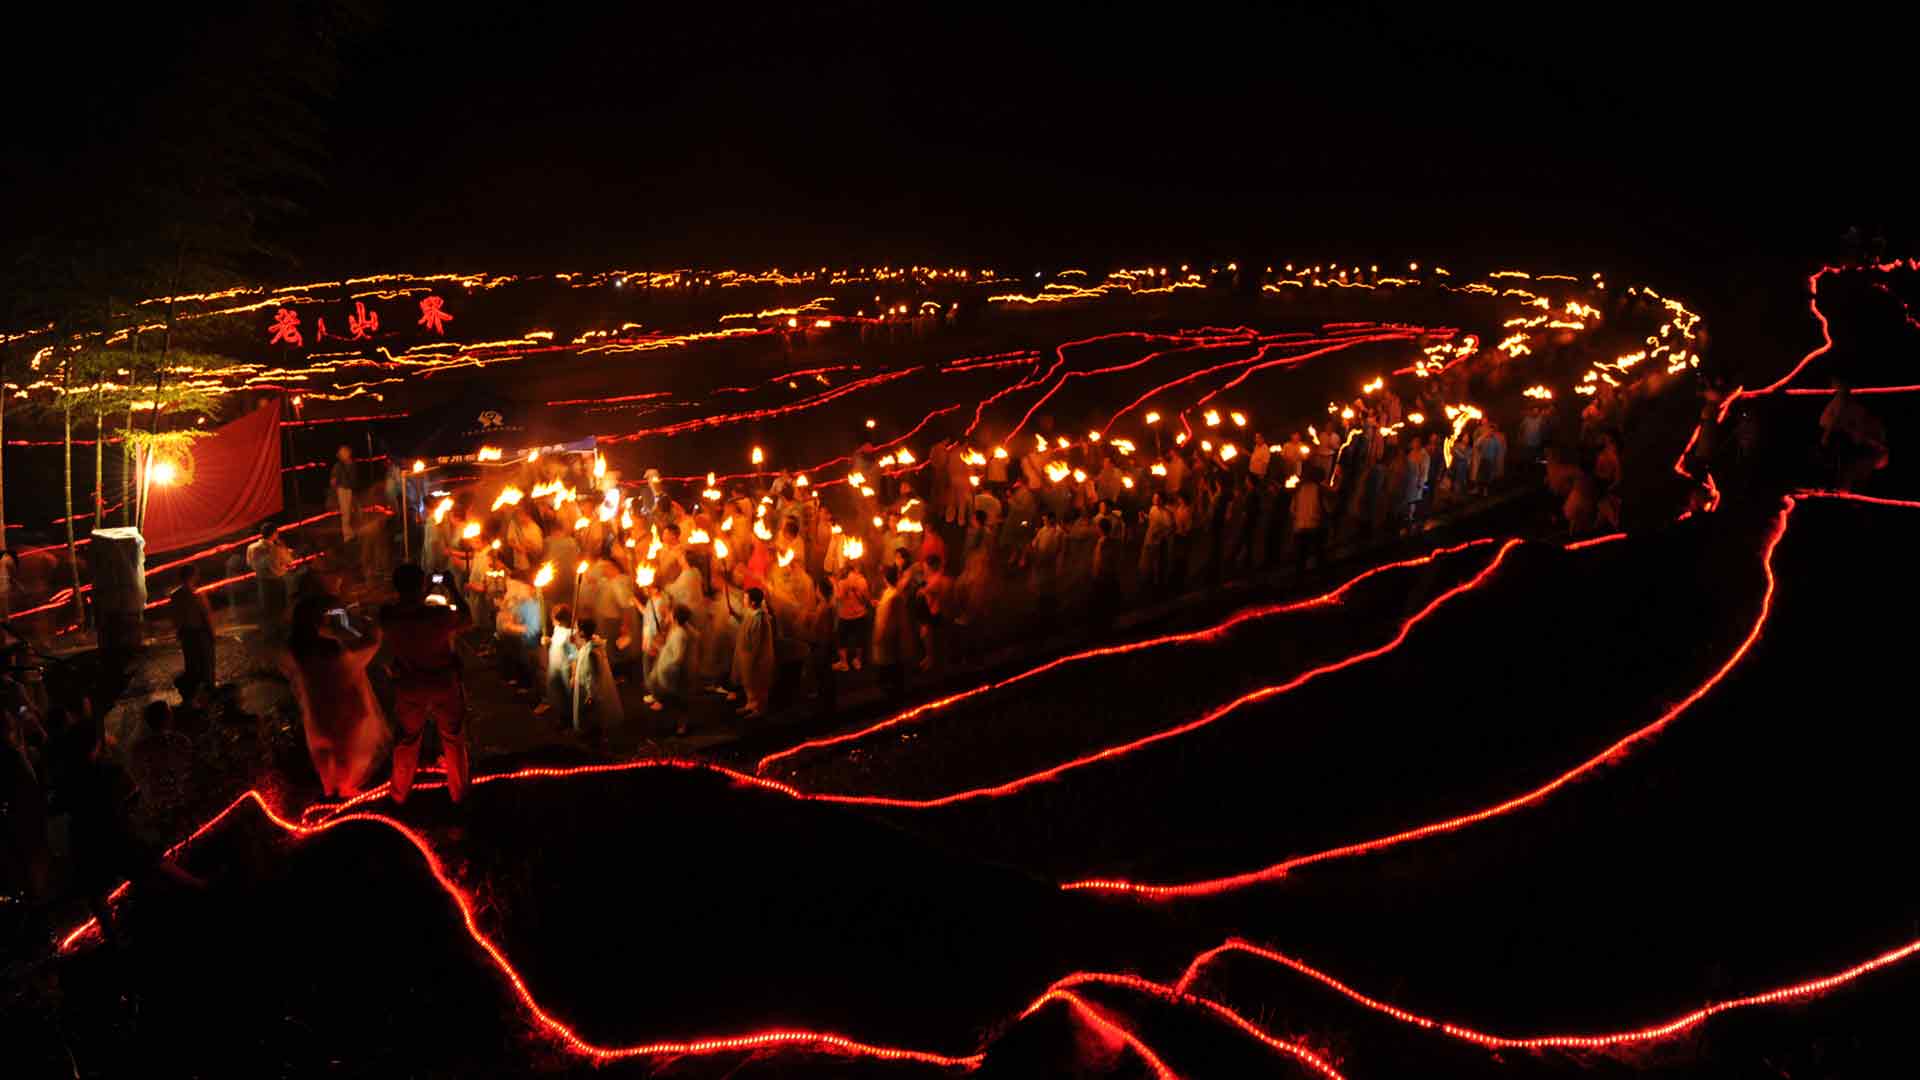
(193, 624)
(420, 630)
(892, 631)
(271, 564)
(341, 480)
(1309, 521)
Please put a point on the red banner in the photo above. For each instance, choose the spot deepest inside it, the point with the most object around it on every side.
(222, 484)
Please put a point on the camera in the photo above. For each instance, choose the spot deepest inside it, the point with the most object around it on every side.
(439, 579)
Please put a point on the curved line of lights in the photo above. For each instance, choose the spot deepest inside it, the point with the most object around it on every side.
(1594, 1041)
(1054, 772)
(1209, 633)
(1179, 992)
(1825, 346)
(1214, 886)
(331, 816)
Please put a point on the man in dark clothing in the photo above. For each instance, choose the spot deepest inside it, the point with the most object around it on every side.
(341, 480)
(193, 623)
(419, 630)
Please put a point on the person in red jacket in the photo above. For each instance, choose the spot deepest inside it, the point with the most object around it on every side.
(420, 630)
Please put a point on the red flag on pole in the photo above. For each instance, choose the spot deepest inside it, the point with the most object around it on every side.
(222, 484)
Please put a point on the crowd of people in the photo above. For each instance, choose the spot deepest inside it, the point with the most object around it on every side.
(777, 589)
(623, 606)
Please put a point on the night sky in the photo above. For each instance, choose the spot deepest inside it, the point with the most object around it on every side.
(534, 137)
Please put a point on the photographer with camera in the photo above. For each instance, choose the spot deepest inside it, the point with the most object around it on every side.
(420, 629)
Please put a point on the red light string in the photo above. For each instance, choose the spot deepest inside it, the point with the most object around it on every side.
(725, 419)
(1047, 775)
(1210, 633)
(1597, 1041)
(1257, 362)
(1243, 376)
(1181, 996)
(343, 419)
(649, 396)
(1215, 886)
(553, 1025)
(777, 379)
(1186, 346)
(1103, 1023)
(1825, 346)
(1595, 541)
(66, 595)
(1848, 496)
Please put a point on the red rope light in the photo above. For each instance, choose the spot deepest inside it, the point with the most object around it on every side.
(1179, 995)
(611, 400)
(1113, 1028)
(1210, 633)
(760, 414)
(216, 550)
(1849, 496)
(343, 419)
(1121, 749)
(1825, 346)
(1186, 346)
(1257, 363)
(1290, 360)
(1214, 886)
(1597, 1041)
(1827, 391)
(1579, 545)
(553, 1025)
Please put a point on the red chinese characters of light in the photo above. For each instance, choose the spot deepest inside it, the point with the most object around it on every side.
(286, 329)
(365, 322)
(434, 315)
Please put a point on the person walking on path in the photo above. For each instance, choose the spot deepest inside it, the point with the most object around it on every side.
(193, 624)
(420, 632)
(326, 660)
(341, 479)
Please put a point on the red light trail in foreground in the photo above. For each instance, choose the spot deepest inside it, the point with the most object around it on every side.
(1595, 1041)
(1060, 990)
(1210, 633)
(1214, 886)
(1055, 772)
(1099, 1021)
(553, 1025)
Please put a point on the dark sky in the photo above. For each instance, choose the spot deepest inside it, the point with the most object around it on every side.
(542, 137)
